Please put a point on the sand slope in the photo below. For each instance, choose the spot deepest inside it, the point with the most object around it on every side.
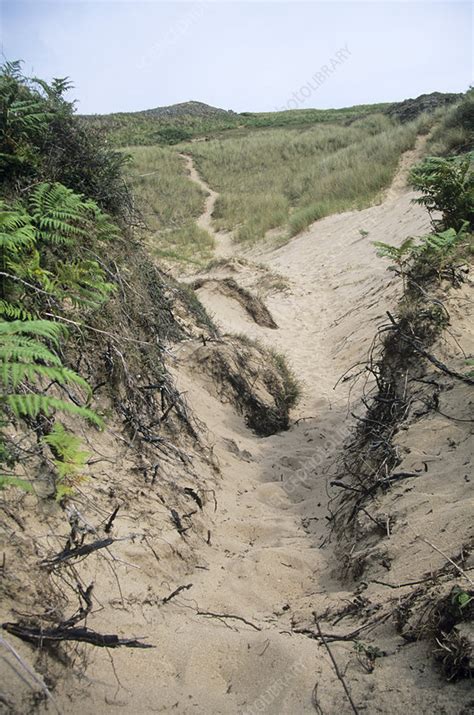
(227, 644)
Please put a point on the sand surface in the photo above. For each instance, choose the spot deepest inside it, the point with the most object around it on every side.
(267, 562)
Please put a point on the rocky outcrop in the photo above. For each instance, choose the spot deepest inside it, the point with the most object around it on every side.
(410, 108)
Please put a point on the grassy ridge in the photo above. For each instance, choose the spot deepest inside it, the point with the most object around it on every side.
(291, 177)
(277, 177)
(454, 133)
(146, 128)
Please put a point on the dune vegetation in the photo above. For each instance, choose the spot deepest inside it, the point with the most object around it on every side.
(170, 125)
(278, 178)
(290, 178)
(454, 131)
(168, 203)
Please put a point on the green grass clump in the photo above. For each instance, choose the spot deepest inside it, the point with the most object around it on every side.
(302, 218)
(189, 244)
(454, 134)
(291, 385)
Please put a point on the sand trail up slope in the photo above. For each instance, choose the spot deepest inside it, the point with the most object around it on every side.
(223, 240)
(267, 560)
(338, 286)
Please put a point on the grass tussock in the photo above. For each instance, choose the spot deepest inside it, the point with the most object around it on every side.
(454, 133)
(256, 380)
(290, 393)
(169, 203)
(188, 244)
(290, 177)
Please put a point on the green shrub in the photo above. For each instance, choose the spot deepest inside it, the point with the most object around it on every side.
(51, 238)
(172, 135)
(447, 185)
(41, 138)
(434, 248)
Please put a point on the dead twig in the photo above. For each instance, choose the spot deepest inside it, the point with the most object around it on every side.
(111, 519)
(174, 593)
(416, 345)
(342, 485)
(118, 338)
(315, 700)
(40, 636)
(456, 566)
(406, 583)
(336, 670)
(194, 495)
(30, 672)
(84, 550)
(210, 614)
(177, 523)
(333, 637)
(437, 363)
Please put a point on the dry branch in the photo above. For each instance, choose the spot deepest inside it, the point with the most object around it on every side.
(84, 550)
(40, 636)
(174, 593)
(336, 670)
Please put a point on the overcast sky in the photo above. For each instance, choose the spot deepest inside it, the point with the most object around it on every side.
(255, 56)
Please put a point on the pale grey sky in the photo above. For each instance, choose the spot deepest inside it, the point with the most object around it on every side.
(246, 56)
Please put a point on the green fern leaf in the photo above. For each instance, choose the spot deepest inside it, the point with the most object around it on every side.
(8, 481)
(31, 405)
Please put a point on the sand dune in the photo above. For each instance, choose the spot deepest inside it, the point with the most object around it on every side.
(228, 643)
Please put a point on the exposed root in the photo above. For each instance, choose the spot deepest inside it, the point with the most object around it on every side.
(445, 618)
(257, 381)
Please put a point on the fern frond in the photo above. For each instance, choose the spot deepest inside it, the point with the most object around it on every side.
(105, 227)
(38, 328)
(25, 350)
(70, 458)
(84, 282)
(14, 312)
(16, 231)
(25, 358)
(32, 405)
(395, 253)
(8, 481)
(14, 373)
(12, 69)
(59, 214)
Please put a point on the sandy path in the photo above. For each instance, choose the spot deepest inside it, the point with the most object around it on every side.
(338, 286)
(223, 239)
(265, 561)
(267, 564)
(398, 185)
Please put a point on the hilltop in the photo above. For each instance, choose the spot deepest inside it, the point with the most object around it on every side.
(189, 109)
(193, 119)
(411, 108)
